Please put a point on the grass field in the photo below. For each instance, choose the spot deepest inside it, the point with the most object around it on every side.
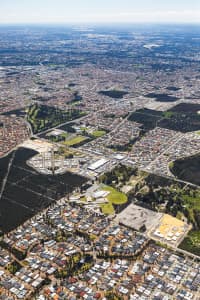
(193, 202)
(65, 134)
(94, 134)
(192, 242)
(75, 140)
(168, 114)
(98, 133)
(84, 128)
(65, 151)
(114, 197)
(107, 208)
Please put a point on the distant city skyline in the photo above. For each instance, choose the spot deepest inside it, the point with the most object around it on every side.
(95, 11)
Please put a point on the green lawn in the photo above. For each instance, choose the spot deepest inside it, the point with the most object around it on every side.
(75, 140)
(114, 197)
(83, 199)
(107, 208)
(168, 114)
(84, 128)
(98, 133)
(64, 134)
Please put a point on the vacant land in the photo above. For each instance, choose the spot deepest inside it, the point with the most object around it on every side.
(170, 230)
(75, 141)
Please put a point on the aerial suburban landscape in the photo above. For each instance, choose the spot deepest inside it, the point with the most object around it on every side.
(100, 162)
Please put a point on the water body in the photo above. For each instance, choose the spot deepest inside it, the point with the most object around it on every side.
(27, 192)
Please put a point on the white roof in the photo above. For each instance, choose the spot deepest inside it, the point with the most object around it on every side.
(119, 156)
(100, 194)
(98, 164)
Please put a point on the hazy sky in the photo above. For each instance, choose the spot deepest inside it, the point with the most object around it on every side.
(86, 11)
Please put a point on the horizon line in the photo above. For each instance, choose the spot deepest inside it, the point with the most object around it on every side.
(99, 23)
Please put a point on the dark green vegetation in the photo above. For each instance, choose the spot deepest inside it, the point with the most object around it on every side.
(71, 84)
(76, 264)
(175, 198)
(162, 97)
(68, 128)
(118, 176)
(173, 88)
(76, 97)
(27, 192)
(186, 108)
(43, 117)
(183, 117)
(192, 242)
(58, 138)
(114, 180)
(41, 98)
(167, 195)
(13, 267)
(187, 169)
(148, 117)
(115, 94)
(20, 255)
(16, 112)
(113, 296)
